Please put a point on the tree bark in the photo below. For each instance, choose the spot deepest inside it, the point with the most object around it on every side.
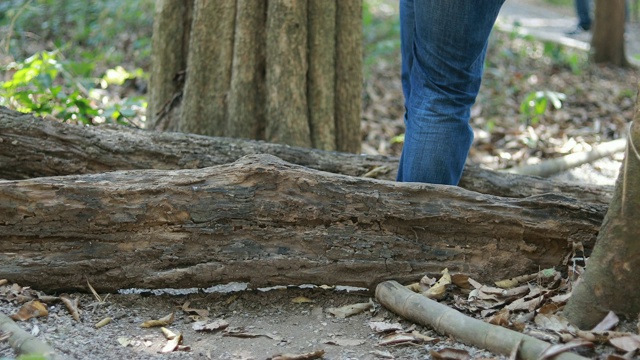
(209, 62)
(607, 41)
(246, 116)
(322, 74)
(286, 71)
(612, 270)
(287, 114)
(172, 21)
(266, 222)
(348, 74)
(31, 147)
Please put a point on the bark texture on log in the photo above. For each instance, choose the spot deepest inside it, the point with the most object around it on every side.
(267, 222)
(31, 147)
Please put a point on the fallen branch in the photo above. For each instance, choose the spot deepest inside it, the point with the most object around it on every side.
(445, 320)
(24, 343)
(555, 166)
(32, 147)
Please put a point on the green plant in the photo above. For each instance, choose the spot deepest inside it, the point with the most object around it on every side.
(536, 103)
(78, 27)
(47, 85)
(381, 28)
(560, 56)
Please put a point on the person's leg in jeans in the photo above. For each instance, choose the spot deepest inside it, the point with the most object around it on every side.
(584, 14)
(443, 45)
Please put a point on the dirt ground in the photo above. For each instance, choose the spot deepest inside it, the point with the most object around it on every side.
(291, 320)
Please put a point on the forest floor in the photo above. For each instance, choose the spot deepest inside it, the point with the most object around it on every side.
(598, 104)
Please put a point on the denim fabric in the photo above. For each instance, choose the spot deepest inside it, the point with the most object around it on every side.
(584, 14)
(443, 45)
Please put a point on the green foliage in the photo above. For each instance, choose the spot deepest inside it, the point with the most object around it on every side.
(381, 27)
(560, 56)
(80, 28)
(536, 103)
(46, 85)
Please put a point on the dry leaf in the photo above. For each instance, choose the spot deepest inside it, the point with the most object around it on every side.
(160, 322)
(509, 283)
(33, 308)
(203, 313)
(439, 289)
(626, 343)
(344, 342)
(427, 281)
(72, 306)
(449, 354)
(557, 349)
(348, 310)
(461, 281)
(307, 356)
(172, 344)
(103, 322)
(382, 354)
(526, 305)
(423, 338)
(417, 287)
(554, 323)
(247, 335)
(609, 322)
(301, 300)
(3, 282)
(124, 341)
(501, 318)
(382, 326)
(168, 334)
(395, 339)
(218, 324)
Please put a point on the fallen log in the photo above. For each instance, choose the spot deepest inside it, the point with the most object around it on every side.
(32, 147)
(267, 222)
(555, 166)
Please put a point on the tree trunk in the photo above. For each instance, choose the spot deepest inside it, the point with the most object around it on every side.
(31, 147)
(208, 77)
(246, 117)
(170, 43)
(322, 74)
(611, 275)
(348, 75)
(287, 114)
(607, 41)
(263, 221)
(286, 71)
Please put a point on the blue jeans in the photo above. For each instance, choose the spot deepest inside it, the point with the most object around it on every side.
(443, 45)
(584, 14)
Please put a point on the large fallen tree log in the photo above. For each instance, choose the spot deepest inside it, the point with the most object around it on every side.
(267, 222)
(31, 147)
